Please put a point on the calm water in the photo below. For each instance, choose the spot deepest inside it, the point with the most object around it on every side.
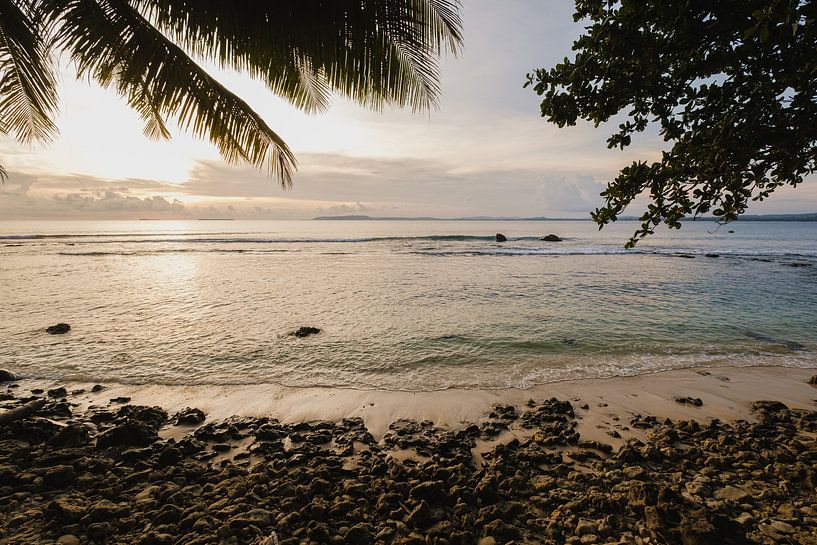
(403, 305)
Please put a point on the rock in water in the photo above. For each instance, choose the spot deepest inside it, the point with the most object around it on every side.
(7, 376)
(812, 380)
(551, 238)
(305, 331)
(501, 238)
(58, 329)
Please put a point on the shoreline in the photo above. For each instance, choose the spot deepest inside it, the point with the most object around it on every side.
(726, 392)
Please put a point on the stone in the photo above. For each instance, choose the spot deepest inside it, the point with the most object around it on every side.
(7, 376)
(551, 238)
(812, 380)
(58, 329)
(694, 401)
(305, 331)
(501, 238)
(188, 417)
(68, 539)
(732, 493)
(60, 476)
(128, 434)
(769, 406)
(58, 392)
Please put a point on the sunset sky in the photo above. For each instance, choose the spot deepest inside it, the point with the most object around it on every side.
(485, 151)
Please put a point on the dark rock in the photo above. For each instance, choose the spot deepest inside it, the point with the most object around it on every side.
(712, 255)
(305, 331)
(58, 392)
(551, 238)
(131, 433)
(7, 376)
(59, 476)
(768, 406)
(58, 329)
(121, 400)
(501, 238)
(812, 380)
(188, 417)
(421, 516)
(694, 401)
(97, 388)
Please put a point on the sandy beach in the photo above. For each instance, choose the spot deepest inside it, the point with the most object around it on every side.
(719, 455)
(726, 393)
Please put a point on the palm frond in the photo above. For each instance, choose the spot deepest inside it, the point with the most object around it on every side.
(376, 52)
(3, 174)
(28, 90)
(114, 44)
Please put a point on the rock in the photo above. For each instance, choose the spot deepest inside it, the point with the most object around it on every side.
(712, 255)
(768, 406)
(733, 494)
(421, 516)
(812, 380)
(694, 401)
(585, 527)
(128, 434)
(358, 534)
(551, 238)
(7, 376)
(121, 400)
(60, 476)
(68, 539)
(305, 331)
(97, 388)
(501, 238)
(188, 417)
(58, 329)
(58, 392)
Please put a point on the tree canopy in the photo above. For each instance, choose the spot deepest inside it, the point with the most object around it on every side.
(376, 52)
(731, 86)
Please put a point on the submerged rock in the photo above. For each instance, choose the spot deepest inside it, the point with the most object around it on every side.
(501, 238)
(812, 380)
(551, 238)
(305, 331)
(58, 329)
(7, 376)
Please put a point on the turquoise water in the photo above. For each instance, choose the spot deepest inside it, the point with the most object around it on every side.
(402, 305)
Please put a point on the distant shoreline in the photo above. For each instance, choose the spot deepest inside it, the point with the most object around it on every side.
(811, 217)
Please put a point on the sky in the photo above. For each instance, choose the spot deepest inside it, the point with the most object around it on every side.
(484, 151)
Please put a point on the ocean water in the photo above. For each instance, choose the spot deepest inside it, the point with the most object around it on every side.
(402, 304)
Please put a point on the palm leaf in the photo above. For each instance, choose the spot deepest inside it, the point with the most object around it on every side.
(28, 95)
(376, 52)
(112, 43)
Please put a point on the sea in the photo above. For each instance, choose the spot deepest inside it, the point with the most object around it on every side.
(401, 305)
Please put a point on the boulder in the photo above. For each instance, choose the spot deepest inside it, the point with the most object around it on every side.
(58, 392)
(551, 238)
(129, 434)
(188, 417)
(812, 380)
(305, 331)
(58, 329)
(501, 238)
(7, 376)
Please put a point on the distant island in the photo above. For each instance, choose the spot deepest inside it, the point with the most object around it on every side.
(765, 217)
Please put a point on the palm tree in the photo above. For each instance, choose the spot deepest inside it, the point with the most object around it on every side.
(376, 52)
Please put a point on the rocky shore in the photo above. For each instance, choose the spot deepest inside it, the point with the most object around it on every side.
(116, 472)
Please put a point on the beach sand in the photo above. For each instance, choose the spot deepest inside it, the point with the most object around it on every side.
(616, 460)
(726, 393)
